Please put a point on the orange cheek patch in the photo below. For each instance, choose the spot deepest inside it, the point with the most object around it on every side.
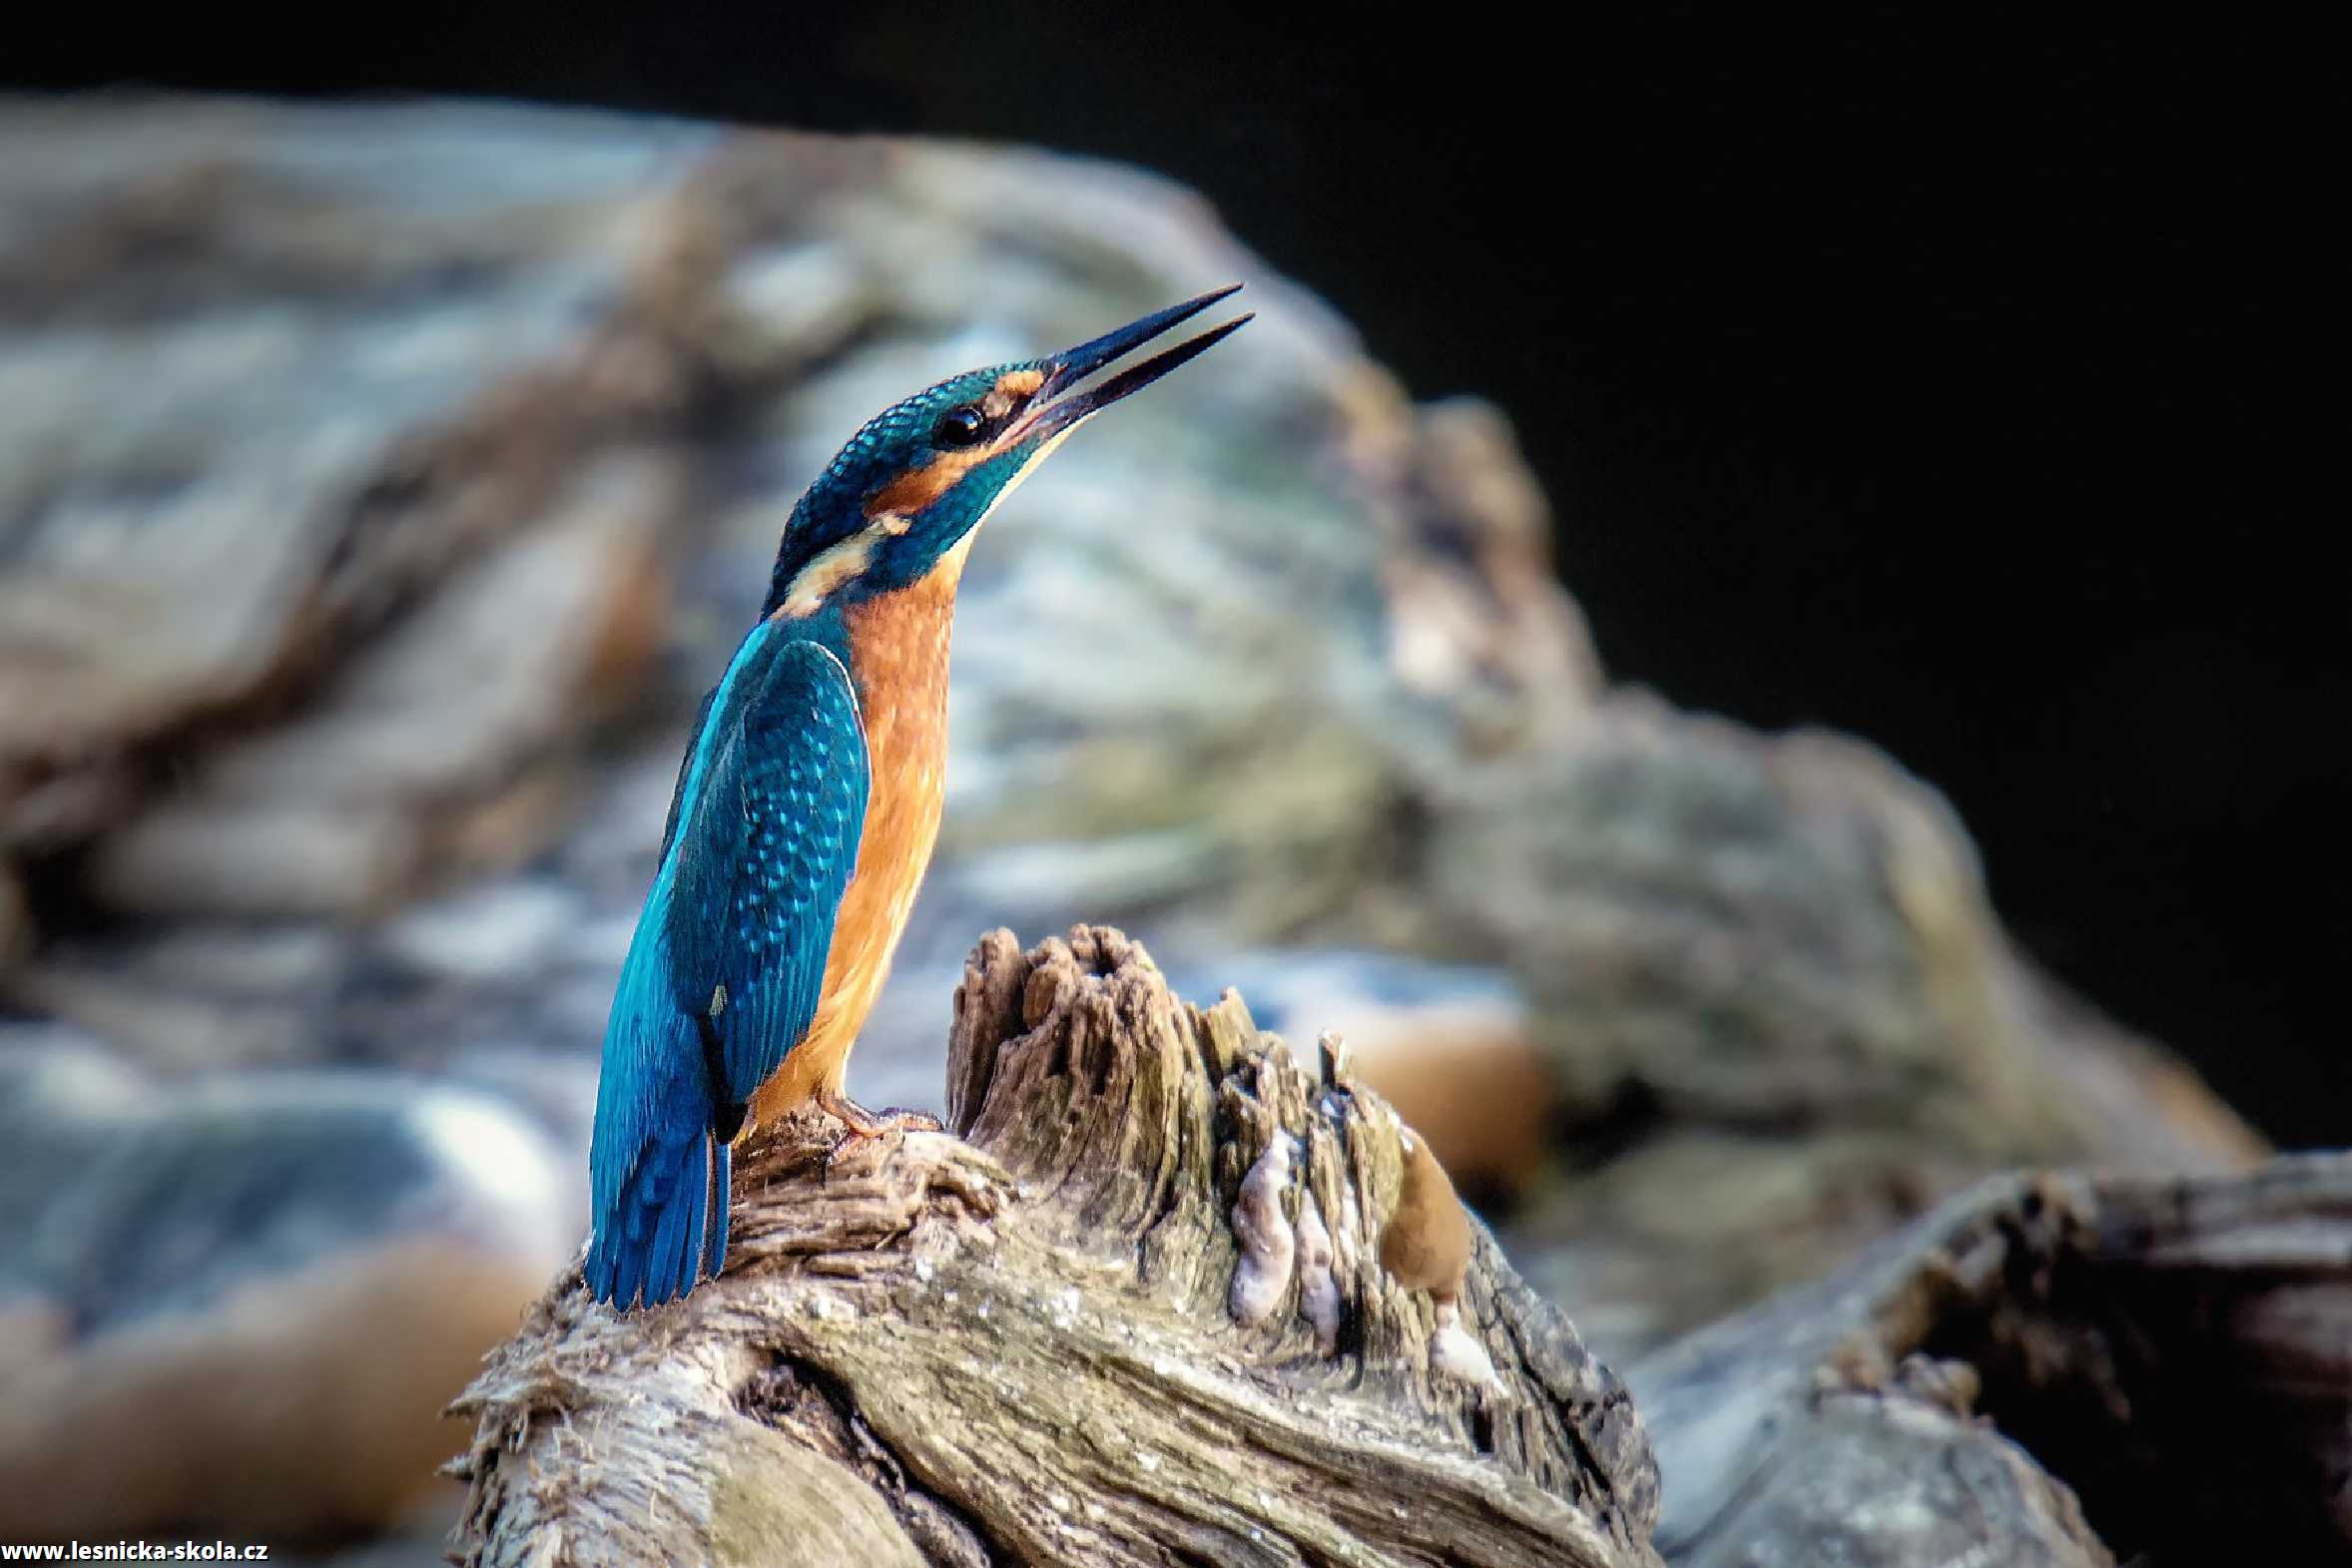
(917, 488)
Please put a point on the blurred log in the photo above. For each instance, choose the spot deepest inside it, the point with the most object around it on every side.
(1779, 1013)
(1110, 1329)
(2175, 1353)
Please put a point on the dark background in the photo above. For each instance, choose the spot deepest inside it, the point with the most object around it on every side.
(1919, 380)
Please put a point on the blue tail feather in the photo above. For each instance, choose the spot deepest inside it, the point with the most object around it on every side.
(660, 1240)
(653, 1161)
(680, 1216)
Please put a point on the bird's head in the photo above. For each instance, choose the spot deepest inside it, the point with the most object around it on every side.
(912, 485)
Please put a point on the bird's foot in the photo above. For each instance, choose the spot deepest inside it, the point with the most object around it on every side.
(863, 1124)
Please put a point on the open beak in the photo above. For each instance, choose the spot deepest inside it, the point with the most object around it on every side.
(1048, 419)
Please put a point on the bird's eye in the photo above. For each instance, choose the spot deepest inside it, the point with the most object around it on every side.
(959, 427)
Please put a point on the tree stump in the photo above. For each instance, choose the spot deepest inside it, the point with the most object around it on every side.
(1132, 1312)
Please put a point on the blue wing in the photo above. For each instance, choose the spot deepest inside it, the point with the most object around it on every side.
(775, 837)
(726, 967)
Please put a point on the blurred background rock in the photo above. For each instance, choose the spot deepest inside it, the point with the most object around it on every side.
(379, 486)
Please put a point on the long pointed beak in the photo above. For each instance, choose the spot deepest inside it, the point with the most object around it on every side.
(1074, 365)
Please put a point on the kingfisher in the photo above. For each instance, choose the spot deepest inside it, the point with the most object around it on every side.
(808, 805)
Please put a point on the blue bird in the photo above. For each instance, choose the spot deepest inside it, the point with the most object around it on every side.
(808, 805)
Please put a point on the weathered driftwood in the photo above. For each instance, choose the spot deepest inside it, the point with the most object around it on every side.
(1139, 1318)
(2061, 1371)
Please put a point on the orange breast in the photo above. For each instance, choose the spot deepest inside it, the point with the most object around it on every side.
(899, 655)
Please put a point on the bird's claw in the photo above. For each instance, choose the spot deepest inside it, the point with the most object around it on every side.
(871, 1123)
(862, 1125)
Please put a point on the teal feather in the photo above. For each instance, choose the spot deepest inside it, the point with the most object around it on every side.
(765, 822)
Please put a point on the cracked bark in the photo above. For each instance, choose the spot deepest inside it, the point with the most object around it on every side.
(1025, 1344)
